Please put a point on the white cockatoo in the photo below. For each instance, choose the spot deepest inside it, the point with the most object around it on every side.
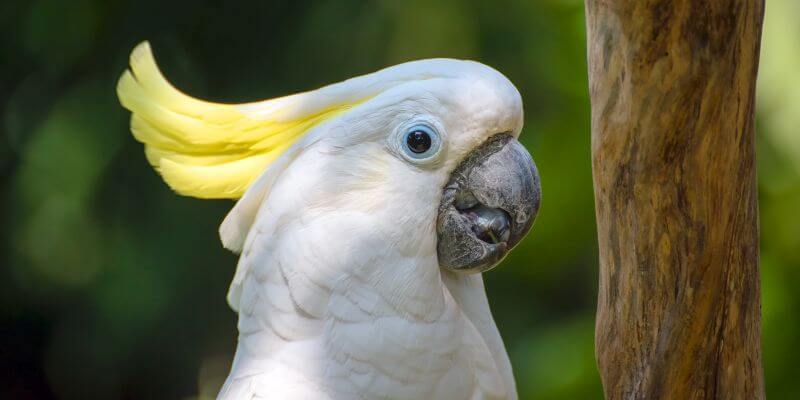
(366, 211)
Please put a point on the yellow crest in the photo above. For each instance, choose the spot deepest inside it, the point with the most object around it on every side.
(211, 150)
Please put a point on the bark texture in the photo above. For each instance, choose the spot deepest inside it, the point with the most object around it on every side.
(672, 86)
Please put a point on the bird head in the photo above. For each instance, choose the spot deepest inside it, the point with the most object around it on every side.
(426, 151)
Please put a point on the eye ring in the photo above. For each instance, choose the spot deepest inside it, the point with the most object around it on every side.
(420, 142)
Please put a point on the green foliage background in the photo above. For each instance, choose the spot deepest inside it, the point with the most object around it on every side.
(111, 286)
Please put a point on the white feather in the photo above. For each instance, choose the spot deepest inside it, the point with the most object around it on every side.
(338, 287)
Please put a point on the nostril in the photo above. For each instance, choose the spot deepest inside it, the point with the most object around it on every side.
(492, 225)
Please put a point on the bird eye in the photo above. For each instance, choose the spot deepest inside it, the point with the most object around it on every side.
(421, 142)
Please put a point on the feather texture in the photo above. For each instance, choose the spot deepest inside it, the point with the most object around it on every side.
(342, 305)
(205, 149)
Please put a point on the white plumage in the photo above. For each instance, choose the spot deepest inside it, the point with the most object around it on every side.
(338, 288)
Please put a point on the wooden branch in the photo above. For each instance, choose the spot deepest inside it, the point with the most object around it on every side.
(672, 86)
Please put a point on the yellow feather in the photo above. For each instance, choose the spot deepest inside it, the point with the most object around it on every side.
(204, 149)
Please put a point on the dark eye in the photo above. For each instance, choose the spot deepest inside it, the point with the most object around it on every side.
(421, 142)
(418, 141)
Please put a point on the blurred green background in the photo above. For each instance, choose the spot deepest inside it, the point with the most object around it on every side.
(111, 286)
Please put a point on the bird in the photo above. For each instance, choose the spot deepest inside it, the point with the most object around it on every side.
(365, 213)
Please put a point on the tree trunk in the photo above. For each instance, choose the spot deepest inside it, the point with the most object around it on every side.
(672, 86)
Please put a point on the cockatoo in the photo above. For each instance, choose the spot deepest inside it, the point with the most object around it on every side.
(366, 211)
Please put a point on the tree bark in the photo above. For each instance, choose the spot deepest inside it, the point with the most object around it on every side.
(672, 86)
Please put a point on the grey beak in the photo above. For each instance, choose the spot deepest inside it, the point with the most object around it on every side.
(488, 205)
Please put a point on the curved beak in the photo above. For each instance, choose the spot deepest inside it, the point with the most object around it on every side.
(488, 205)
